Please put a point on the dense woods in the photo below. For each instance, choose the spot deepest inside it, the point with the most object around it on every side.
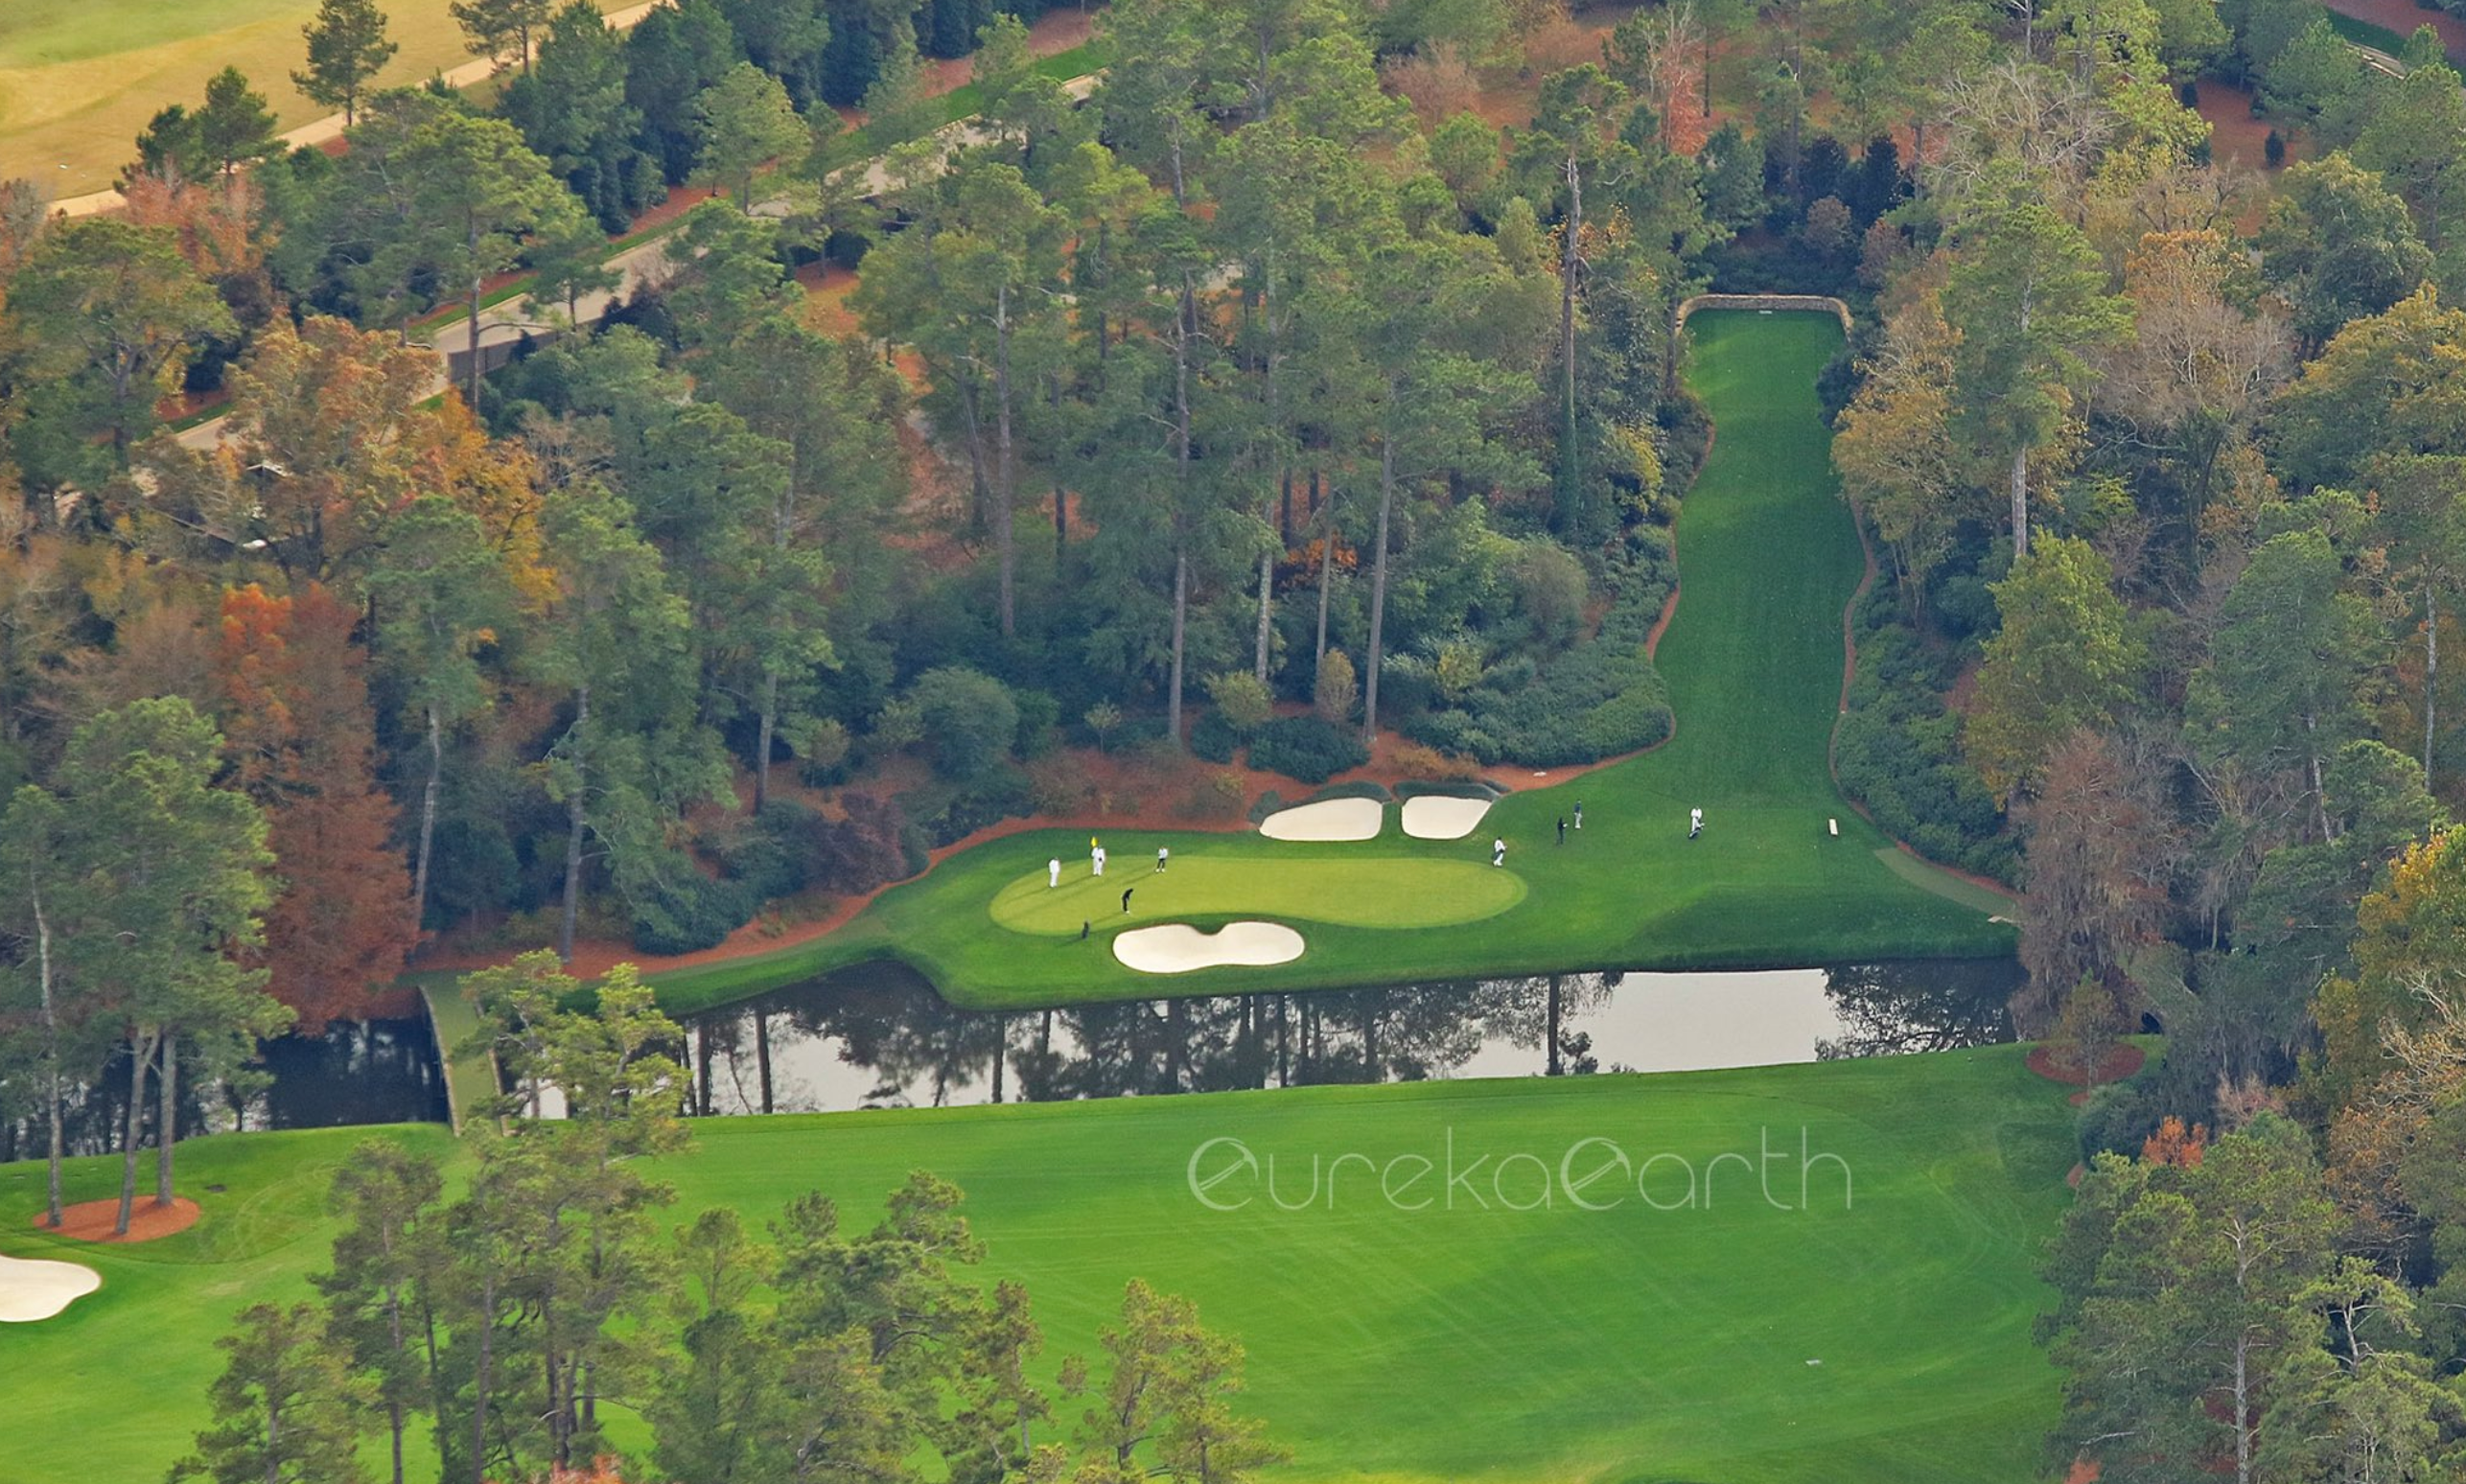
(1270, 400)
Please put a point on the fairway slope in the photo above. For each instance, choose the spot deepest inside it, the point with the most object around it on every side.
(1440, 1335)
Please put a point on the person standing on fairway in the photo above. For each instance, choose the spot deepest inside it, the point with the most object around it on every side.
(1053, 872)
(1694, 823)
(1096, 855)
(1126, 897)
(1499, 852)
(1579, 814)
(1162, 853)
(1562, 829)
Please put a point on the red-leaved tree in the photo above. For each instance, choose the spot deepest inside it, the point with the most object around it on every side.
(300, 737)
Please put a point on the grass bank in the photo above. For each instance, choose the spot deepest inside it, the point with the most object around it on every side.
(1456, 1341)
(1768, 556)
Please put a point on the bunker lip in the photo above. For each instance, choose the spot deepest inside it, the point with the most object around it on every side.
(1327, 819)
(1178, 948)
(34, 1288)
(1440, 817)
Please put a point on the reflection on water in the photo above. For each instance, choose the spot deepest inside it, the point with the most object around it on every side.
(879, 1036)
(376, 1071)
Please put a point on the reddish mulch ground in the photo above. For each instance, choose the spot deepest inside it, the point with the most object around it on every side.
(2121, 1062)
(92, 1220)
(2234, 134)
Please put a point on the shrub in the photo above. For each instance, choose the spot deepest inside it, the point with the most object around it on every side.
(1057, 785)
(1040, 714)
(863, 850)
(1550, 593)
(1266, 803)
(1214, 738)
(693, 914)
(1242, 701)
(1428, 763)
(771, 854)
(947, 813)
(968, 716)
(2273, 150)
(1306, 748)
(1336, 689)
(1100, 719)
(1216, 796)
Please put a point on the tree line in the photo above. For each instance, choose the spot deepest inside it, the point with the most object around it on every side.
(484, 1322)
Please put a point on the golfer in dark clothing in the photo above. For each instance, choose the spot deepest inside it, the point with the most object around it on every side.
(1562, 829)
(1082, 930)
(1125, 899)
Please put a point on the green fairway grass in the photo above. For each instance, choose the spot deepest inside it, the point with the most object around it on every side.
(1768, 557)
(1359, 890)
(1403, 1345)
(80, 77)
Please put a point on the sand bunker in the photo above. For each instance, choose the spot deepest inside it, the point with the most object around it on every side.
(1178, 948)
(1434, 816)
(31, 1289)
(1330, 819)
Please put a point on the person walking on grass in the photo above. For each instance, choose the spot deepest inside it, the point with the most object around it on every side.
(1096, 855)
(1562, 829)
(1694, 823)
(1163, 854)
(1126, 897)
(1053, 872)
(1499, 852)
(1579, 814)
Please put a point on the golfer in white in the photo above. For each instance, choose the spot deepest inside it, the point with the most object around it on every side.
(1098, 856)
(1053, 872)
(1694, 823)
(1498, 852)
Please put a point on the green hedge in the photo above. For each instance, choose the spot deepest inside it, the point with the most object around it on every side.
(1899, 752)
(1308, 749)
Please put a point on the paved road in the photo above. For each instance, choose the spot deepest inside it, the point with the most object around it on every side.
(507, 323)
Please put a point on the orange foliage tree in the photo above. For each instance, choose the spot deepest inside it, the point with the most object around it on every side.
(2175, 1145)
(299, 734)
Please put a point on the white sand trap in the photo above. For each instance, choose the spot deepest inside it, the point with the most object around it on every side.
(1329, 819)
(1178, 948)
(31, 1289)
(1435, 817)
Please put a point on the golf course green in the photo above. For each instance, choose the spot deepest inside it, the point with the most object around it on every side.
(1410, 892)
(1768, 557)
(1862, 1328)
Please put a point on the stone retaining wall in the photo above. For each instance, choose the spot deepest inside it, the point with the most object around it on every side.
(1763, 301)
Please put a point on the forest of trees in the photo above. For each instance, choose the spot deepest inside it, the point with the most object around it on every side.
(1270, 399)
(485, 1325)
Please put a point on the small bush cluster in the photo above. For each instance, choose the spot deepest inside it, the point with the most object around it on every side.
(1899, 751)
(946, 813)
(1306, 748)
(1597, 700)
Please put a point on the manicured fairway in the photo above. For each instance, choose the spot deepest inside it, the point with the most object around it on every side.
(1406, 1345)
(1390, 893)
(80, 77)
(1768, 556)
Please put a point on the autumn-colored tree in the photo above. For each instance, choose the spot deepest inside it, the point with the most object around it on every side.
(317, 454)
(2410, 962)
(2099, 853)
(2175, 1145)
(497, 483)
(300, 736)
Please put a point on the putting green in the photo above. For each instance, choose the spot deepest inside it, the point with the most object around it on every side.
(1396, 892)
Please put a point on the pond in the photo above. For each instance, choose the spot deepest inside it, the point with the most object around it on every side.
(879, 1036)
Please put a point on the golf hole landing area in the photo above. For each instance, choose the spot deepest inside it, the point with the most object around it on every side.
(1178, 948)
(1348, 893)
(1439, 817)
(1329, 819)
(32, 1289)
